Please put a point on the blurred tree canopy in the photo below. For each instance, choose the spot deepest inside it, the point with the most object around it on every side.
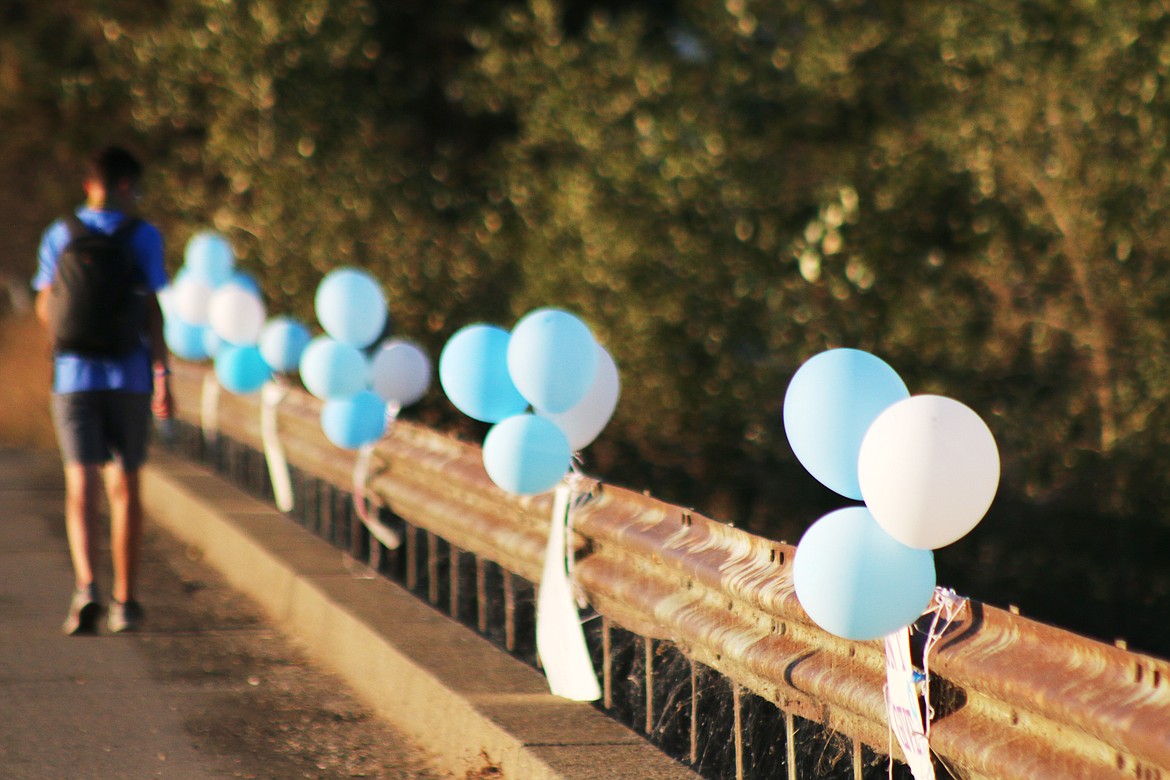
(975, 192)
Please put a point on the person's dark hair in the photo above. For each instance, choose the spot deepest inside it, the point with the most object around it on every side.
(114, 164)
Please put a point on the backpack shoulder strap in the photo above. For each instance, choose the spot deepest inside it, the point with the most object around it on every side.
(76, 227)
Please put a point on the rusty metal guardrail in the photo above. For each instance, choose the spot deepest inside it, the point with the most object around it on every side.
(1014, 699)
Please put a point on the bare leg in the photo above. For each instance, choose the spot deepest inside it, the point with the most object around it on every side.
(81, 495)
(125, 529)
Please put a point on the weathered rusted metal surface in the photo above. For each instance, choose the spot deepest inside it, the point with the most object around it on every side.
(1014, 698)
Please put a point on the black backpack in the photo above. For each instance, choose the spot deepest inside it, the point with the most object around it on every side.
(98, 295)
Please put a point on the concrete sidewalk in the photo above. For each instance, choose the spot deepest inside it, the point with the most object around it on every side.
(483, 712)
(207, 690)
(56, 718)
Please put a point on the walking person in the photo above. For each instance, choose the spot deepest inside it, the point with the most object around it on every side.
(98, 273)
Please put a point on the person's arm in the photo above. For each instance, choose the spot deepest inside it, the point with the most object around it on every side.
(162, 402)
(42, 305)
(53, 240)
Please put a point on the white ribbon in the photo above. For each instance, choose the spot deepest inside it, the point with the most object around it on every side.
(361, 492)
(271, 394)
(902, 706)
(903, 684)
(560, 640)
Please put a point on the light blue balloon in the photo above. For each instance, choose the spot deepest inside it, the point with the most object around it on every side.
(552, 357)
(473, 371)
(241, 369)
(185, 340)
(830, 404)
(212, 343)
(351, 306)
(245, 280)
(351, 422)
(208, 256)
(526, 454)
(331, 369)
(857, 581)
(282, 342)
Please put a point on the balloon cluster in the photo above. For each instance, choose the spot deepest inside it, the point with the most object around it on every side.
(215, 311)
(550, 362)
(927, 468)
(361, 384)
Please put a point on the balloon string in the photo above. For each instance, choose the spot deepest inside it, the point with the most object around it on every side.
(947, 605)
(889, 736)
(581, 490)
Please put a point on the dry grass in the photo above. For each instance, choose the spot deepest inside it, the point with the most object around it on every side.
(25, 376)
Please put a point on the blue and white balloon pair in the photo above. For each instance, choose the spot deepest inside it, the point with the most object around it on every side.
(927, 468)
(550, 362)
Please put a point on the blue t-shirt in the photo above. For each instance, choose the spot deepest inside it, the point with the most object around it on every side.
(73, 373)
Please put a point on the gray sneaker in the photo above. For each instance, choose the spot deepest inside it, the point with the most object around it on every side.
(124, 617)
(84, 612)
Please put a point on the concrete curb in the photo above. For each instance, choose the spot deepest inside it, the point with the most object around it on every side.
(481, 711)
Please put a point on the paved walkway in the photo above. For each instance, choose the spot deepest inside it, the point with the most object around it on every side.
(208, 690)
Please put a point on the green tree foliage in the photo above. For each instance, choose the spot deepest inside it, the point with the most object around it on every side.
(1050, 119)
(315, 135)
(649, 190)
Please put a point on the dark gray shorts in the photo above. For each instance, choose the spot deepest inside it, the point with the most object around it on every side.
(101, 425)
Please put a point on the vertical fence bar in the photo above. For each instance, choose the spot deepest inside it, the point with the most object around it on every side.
(607, 662)
(790, 739)
(455, 555)
(694, 713)
(481, 599)
(357, 537)
(411, 557)
(326, 509)
(509, 611)
(375, 554)
(737, 708)
(433, 567)
(648, 658)
(856, 759)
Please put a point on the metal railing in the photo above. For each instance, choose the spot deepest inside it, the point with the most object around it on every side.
(698, 636)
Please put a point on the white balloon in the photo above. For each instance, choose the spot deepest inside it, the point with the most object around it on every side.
(190, 298)
(585, 421)
(166, 300)
(929, 470)
(400, 372)
(236, 314)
